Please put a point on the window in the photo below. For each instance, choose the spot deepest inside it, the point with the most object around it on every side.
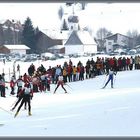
(109, 43)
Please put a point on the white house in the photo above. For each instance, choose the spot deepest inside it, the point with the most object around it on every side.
(80, 42)
(20, 49)
(117, 41)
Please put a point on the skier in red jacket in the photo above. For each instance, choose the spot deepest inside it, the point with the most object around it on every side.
(12, 85)
(60, 82)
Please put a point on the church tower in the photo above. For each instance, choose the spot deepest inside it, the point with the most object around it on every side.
(70, 20)
(73, 21)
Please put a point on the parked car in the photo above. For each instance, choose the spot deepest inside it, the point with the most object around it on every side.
(132, 52)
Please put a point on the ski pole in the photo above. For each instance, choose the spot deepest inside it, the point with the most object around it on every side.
(69, 86)
(14, 102)
(114, 80)
(115, 77)
(5, 110)
(104, 81)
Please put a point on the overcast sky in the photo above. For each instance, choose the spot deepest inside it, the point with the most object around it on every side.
(116, 17)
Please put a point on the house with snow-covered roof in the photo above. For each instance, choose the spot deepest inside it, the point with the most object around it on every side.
(20, 49)
(11, 31)
(80, 42)
(118, 41)
(57, 35)
(45, 41)
(55, 40)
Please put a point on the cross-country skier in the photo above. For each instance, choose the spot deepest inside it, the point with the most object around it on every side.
(19, 96)
(20, 83)
(2, 86)
(110, 78)
(12, 85)
(60, 82)
(27, 95)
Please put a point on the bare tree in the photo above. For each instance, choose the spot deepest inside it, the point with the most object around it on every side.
(132, 33)
(135, 36)
(102, 33)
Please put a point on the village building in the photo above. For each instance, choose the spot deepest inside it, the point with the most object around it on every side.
(45, 41)
(56, 40)
(10, 31)
(80, 42)
(118, 41)
(14, 49)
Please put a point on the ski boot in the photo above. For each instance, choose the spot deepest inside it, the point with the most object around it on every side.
(66, 92)
(29, 113)
(12, 109)
(16, 114)
(103, 87)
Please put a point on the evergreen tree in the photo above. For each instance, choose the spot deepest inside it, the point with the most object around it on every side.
(79, 27)
(36, 30)
(1, 36)
(69, 3)
(9, 36)
(37, 36)
(83, 5)
(29, 35)
(65, 26)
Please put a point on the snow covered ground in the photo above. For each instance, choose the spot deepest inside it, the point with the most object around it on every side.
(87, 110)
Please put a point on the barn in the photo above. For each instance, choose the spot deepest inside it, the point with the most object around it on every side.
(19, 49)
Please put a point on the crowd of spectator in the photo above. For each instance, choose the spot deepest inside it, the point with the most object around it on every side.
(92, 68)
(41, 78)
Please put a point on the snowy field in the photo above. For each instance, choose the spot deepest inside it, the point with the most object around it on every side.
(87, 110)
